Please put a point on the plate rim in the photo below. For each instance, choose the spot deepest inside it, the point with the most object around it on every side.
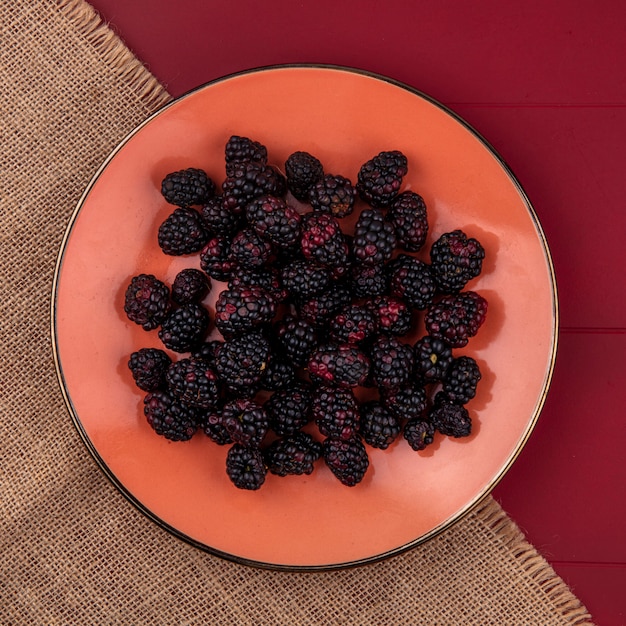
(469, 506)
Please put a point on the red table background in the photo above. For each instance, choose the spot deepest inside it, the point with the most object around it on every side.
(544, 83)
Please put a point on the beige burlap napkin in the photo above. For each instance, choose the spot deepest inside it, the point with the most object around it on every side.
(74, 550)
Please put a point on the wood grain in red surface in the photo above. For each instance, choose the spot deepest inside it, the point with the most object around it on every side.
(544, 83)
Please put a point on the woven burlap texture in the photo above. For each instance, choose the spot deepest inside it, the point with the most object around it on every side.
(74, 550)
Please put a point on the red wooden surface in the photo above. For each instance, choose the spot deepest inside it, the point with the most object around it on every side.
(544, 83)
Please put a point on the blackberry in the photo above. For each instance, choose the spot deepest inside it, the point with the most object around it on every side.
(456, 318)
(455, 260)
(215, 258)
(243, 149)
(207, 351)
(461, 380)
(245, 467)
(242, 361)
(289, 409)
(408, 215)
(148, 367)
(280, 373)
(378, 427)
(249, 249)
(194, 382)
(419, 433)
(169, 417)
(338, 364)
(346, 458)
(187, 187)
(379, 179)
(182, 232)
(245, 421)
(240, 310)
(335, 412)
(219, 219)
(367, 281)
(374, 238)
(190, 285)
(304, 279)
(302, 170)
(406, 402)
(273, 219)
(267, 278)
(392, 362)
(451, 419)
(297, 338)
(214, 429)
(147, 301)
(393, 316)
(432, 359)
(248, 180)
(319, 309)
(412, 281)
(353, 324)
(293, 455)
(183, 329)
(333, 194)
(322, 240)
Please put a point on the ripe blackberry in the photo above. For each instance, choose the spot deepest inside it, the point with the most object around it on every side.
(335, 412)
(148, 367)
(249, 249)
(238, 311)
(322, 240)
(273, 219)
(169, 417)
(455, 260)
(392, 362)
(374, 238)
(246, 421)
(378, 427)
(346, 458)
(319, 309)
(215, 258)
(245, 467)
(379, 179)
(242, 361)
(219, 219)
(406, 402)
(280, 373)
(184, 328)
(193, 382)
(182, 232)
(214, 429)
(456, 318)
(302, 170)
(412, 281)
(304, 279)
(187, 187)
(340, 365)
(461, 380)
(353, 324)
(190, 285)
(267, 278)
(293, 455)
(432, 359)
(297, 337)
(451, 419)
(147, 301)
(242, 149)
(419, 433)
(289, 409)
(207, 351)
(393, 316)
(367, 281)
(248, 180)
(408, 215)
(333, 194)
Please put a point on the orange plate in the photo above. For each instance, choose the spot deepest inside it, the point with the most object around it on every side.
(344, 117)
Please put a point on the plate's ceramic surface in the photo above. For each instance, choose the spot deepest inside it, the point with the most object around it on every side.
(344, 117)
